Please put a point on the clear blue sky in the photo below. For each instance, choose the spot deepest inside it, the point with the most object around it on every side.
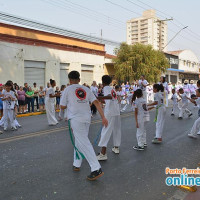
(66, 14)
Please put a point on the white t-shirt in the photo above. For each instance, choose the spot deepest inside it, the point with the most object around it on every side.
(77, 98)
(174, 98)
(184, 98)
(192, 88)
(94, 90)
(8, 103)
(186, 88)
(112, 105)
(140, 86)
(143, 112)
(159, 97)
(48, 92)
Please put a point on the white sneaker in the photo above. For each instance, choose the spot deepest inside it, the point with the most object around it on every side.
(1, 132)
(5, 129)
(192, 136)
(198, 133)
(102, 157)
(115, 150)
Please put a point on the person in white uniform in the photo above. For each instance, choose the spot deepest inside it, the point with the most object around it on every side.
(141, 117)
(76, 99)
(8, 106)
(158, 89)
(183, 107)
(166, 89)
(50, 104)
(174, 99)
(142, 84)
(186, 88)
(192, 88)
(62, 114)
(112, 113)
(94, 90)
(196, 126)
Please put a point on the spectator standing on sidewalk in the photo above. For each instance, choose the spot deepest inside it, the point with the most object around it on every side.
(36, 91)
(21, 99)
(30, 99)
(25, 90)
(41, 98)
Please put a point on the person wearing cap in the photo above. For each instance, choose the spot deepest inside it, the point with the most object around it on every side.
(192, 88)
(36, 92)
(178, 86)
(186, 88)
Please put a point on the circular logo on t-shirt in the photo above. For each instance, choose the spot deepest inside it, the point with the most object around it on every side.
(114, 94)
(80, 93)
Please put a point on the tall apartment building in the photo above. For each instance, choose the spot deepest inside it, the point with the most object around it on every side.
(147, 29)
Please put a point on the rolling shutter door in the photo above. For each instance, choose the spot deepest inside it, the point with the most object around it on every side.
(87, 74)
(34, 71)
(64, 71)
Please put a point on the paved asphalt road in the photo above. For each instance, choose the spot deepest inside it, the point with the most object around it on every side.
(36, 162)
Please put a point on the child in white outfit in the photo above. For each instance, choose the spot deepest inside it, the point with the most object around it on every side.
(8, 106)
(174, 99)
(183, 107)
(112, 113)
(196, 127)
(158, 89)
(141, 117)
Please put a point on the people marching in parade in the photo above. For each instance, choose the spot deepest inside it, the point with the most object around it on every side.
(78, 103)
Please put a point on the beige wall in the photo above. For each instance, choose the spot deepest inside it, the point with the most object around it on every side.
(12, 58)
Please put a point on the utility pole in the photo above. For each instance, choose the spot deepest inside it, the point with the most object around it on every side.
(160, 22)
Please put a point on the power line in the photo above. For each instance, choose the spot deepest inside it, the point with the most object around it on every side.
(75, 8)
(94, 11)
(177, 25)
(118, 5)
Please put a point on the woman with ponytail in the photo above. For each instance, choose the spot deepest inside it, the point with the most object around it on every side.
(50, 104)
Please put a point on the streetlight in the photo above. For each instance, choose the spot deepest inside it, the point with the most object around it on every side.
(175, 36)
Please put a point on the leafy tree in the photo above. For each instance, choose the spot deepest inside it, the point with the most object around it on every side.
(134, 60)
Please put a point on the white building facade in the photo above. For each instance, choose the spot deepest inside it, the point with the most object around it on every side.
(184, 66)
(33, 56)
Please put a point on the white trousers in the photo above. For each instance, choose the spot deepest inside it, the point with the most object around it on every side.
(160, 121)
(82, 142)
(196, 127)
(166, 102)
(8, 115)
(183, 109)
(50, 111)
(145, 96)
(141, 133)
(175, 108)
(114, 126)
(2, 121)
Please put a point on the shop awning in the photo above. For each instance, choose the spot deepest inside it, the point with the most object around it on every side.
(175, 70)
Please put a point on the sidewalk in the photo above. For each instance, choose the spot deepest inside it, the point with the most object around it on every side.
(32, 114)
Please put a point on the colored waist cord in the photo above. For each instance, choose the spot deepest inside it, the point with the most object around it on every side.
(156, 117)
